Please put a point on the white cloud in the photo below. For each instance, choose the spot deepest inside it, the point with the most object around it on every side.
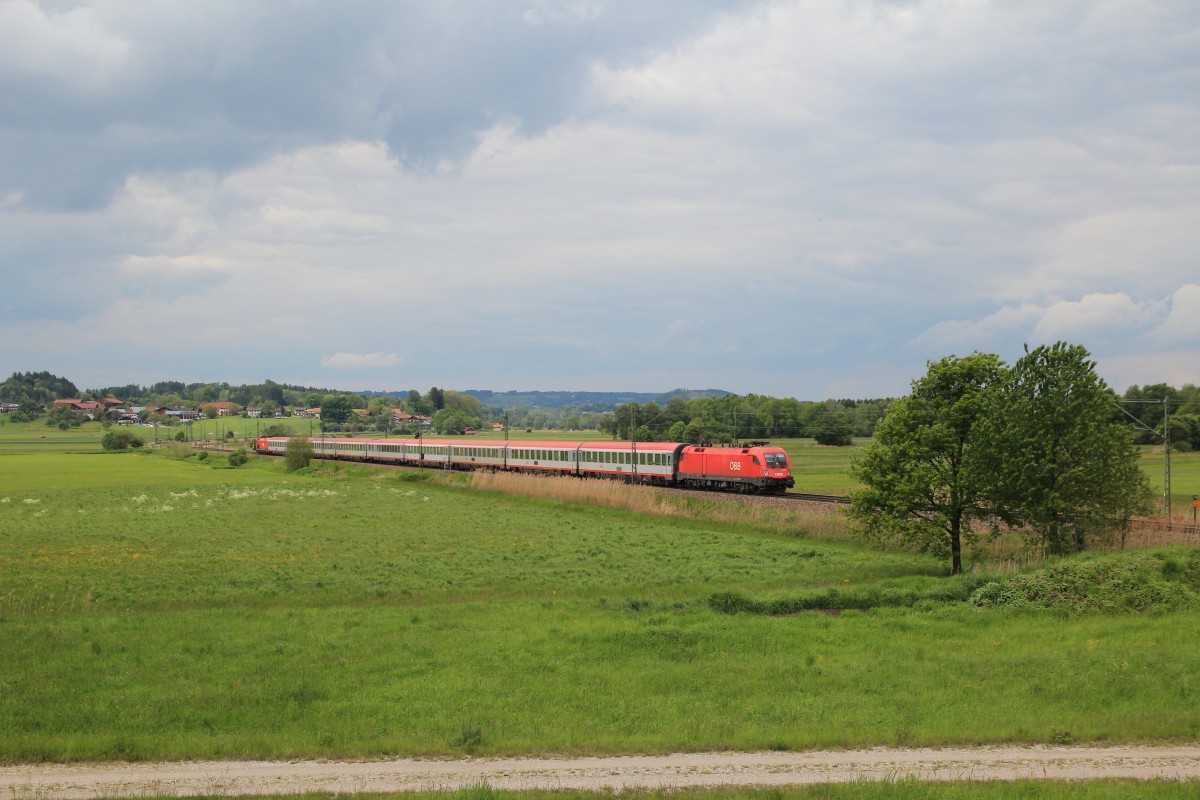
(1182, 325)
(1133, 249)
(363, 360)
(1010, 322)
(1095, 316)
(70, 47)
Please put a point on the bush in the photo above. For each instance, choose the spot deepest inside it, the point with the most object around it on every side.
(298, 454)
(178, 450)
(238, 457)
(1141, 582)
(121, 440)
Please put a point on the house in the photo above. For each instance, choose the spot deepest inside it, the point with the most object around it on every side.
(9, 408)
(254, 413)
(224, 407)
(90, 408)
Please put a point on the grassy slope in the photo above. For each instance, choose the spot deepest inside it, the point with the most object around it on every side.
(152, 608)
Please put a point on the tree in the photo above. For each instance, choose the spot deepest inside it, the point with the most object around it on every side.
(449, 420)
(36, 388)
(1051, 454)
(64, 417)
(336, 408)
(417, 404)
(831, 427)
(120, 440)
(915, 483)
(298, 454)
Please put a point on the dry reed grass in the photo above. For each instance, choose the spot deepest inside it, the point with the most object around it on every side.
(1012, 553)
(647, 500)
(1158, 531)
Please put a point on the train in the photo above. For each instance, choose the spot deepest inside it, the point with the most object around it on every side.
(759, 468)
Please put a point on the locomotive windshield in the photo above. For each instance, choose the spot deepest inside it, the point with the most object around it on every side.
(776, 460)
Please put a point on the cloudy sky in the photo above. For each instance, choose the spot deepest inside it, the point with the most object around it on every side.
(807, 199)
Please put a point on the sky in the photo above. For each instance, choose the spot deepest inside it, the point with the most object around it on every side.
(800, 199)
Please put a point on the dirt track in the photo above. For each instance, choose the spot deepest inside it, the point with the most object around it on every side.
(694, 769)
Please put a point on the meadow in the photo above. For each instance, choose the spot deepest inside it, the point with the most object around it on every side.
(818, 469)
(159, 608)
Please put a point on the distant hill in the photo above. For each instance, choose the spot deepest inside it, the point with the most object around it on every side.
(596, 401)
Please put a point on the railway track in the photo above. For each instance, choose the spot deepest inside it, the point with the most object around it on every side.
(835, 499)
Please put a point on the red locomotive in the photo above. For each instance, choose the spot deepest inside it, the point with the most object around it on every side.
(760, 468)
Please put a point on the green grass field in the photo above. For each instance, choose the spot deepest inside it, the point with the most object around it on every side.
(817, 469)
(155, 608)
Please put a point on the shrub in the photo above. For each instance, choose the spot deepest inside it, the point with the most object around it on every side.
(298, 454)
(238, 457)
(178, 450)
(121, 440)
(1141, 582)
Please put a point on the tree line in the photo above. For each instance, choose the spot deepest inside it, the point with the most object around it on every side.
(709, 416)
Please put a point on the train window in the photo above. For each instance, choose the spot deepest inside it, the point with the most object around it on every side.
(776, 460)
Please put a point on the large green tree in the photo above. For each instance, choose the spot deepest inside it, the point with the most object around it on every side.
(336, 408)
(916, 486)
(1053, 456)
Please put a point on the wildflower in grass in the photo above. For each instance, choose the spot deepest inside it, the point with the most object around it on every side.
(141, 498)
(5, 500)
(32, 501)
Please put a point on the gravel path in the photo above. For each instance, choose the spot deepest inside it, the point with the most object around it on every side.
(23, 782)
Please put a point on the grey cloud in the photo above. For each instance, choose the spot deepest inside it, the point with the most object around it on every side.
(219, 85)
